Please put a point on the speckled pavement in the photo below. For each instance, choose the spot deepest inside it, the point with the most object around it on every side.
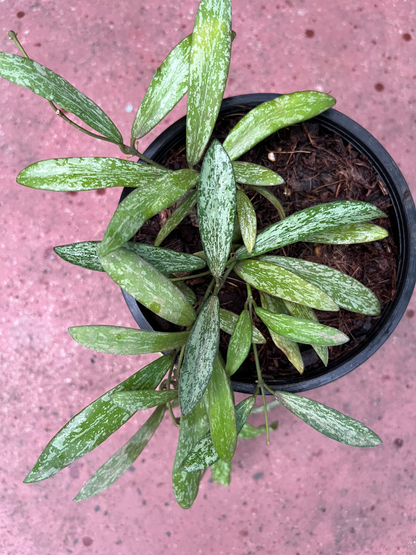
(302, 494)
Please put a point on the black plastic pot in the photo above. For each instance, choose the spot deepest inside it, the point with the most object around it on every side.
(403, 221)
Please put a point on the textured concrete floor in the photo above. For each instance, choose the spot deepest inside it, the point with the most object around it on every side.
(303, 494)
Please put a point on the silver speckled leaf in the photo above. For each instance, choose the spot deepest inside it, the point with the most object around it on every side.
(349, 235)
(228, 321)
(253, 174)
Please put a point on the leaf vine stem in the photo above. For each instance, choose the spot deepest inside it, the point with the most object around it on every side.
(191, 276)
(171, 369)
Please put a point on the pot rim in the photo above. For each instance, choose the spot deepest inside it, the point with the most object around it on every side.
(405, 214)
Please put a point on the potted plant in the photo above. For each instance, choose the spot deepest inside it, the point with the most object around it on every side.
(191, 380)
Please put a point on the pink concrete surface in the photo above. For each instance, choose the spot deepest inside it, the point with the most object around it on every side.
(302, 494)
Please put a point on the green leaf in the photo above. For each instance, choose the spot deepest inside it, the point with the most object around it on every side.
(248, 431)
(228, 321)
(222, 413)
(247, 220)
(176, 217)
(148, 286)
(216, 207)
(121, 461)
(349, 235)
(269, 117)
(187, 291)
(329, 421)
(346, 291)
(200, 354)
(208, 72)
(126, 341)
(142, 204)
(86, 174)
(282, 283)
(49, 85)
(287, 346)
(301, 225)
(271, 198)
(192, 428)
(240, 343)
(203, 454)
(133, 401)
(260, 409)
(90, 427)
(81, 254)
(300, 311)
(302, 331)
(221, 472)
(253, 174)
(168, 86)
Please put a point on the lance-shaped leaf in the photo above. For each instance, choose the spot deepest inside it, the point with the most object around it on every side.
(346, 291)
(329, 421)
(192, 428)
(127, 341)
(221, 472)
(300, 311)
(49, 85)
(349, 235)
(165, 260)
(222, 413)
(269, 117)
(86, 174)
(142, 204)
(240, 343)
(302, 331)
(187, 291)
(248, 431)
(176, 217)
(200, 354)
(247, 220)
(148, 286)
(287, 346)
(90, 427)
(208, 72)
(216, 207)
(121, 461)
(228, 321)
(272, 199)
(263, 276)
(260, 409)
(301, 225)
(253, 174)
(133, 401)
(203, 453)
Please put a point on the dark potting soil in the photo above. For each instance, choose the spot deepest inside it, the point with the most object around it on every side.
(317, 166)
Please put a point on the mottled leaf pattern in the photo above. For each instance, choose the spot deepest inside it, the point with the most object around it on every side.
(329, 421)
(287, 346)
(216, 207)
(240, 343)
(86, 174)
(208, 72)
(228, 321)
(148, 286)
(176, 217)
(200, 354)
(285, 284)
(133, 401)
(142, 204)
(349, 235)
(47, 84)
(346, 291)
(302, 331)
(269, 117)
(301, 225)
(90, 427)
(247, 220)
(127, 341)
(81, 254)
(222, 413)
(253, 174)
(264, 192)
(121, 461)
(221, 472)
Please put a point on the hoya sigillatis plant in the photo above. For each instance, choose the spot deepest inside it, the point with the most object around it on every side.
(191, 380)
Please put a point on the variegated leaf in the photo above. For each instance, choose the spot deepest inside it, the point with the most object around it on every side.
(269, 117)
(247, 220)
(253, 174)
(86, 174)
(349, 235)
(305, 223)
(148, 286)
(221, 472)
(142, 204)
(49, 85)
(282, 283)
(240, 343)
(264, 192)
(176, 217)
(133, 401)
(248, 431)
(346, 291)
(329, 421)
(228, 321)
(216, 207)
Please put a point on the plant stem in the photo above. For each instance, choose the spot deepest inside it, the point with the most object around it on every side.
(207, 293)
(132, 151)
(172, 366)
(190, 277)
